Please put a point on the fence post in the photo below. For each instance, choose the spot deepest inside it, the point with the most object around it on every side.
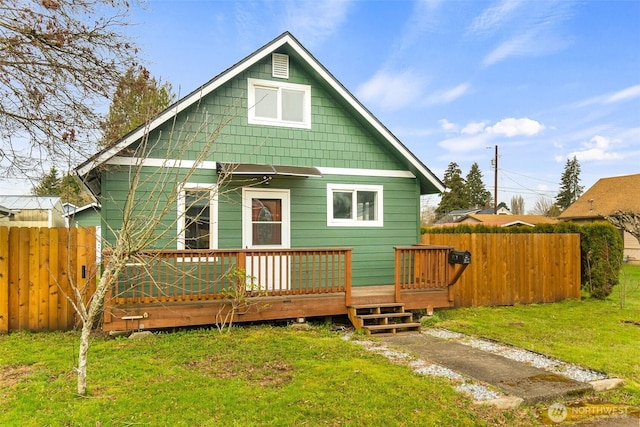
(4, 280)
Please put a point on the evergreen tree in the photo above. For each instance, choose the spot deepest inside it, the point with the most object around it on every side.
(66, 187)
(570, 188)
(477, 194)
(138, 98)
(456, 195)
(49, 184)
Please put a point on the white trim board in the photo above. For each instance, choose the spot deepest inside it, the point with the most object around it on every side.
(166, 163)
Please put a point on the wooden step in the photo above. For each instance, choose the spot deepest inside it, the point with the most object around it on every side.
(384, 316)
(391, 329)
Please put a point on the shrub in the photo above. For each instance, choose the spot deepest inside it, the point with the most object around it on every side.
(602, 254)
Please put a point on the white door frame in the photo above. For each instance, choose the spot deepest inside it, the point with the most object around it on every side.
(267, 193)
(270, 268)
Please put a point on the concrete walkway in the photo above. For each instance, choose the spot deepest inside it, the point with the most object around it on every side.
(513, 378)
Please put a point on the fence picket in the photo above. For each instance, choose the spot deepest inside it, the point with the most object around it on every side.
(35, 267)
(509, 269)
(4, 280)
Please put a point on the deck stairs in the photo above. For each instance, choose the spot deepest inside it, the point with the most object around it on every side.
(382, 319)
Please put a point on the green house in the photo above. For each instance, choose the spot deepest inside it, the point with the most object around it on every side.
(297, 162)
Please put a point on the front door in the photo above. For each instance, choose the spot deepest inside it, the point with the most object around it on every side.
(266, 225)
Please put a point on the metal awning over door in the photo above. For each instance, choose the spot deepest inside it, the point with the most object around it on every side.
(267, 170)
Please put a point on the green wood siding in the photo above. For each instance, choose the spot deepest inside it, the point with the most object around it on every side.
(337, 139)
(87, 218)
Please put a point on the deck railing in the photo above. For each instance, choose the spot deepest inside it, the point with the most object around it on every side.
(196, 275)
(421, 267)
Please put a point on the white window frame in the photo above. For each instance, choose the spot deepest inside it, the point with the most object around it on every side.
(213, 209)
(278, 86)
(354, 221)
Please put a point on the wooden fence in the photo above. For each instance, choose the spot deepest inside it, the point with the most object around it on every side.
(37, 269)
(509, 269)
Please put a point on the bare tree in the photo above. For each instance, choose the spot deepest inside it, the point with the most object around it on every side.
(545, 206)
(146, 221)
(60, 58)
(517, 205)
(626, 221)
(427, 211)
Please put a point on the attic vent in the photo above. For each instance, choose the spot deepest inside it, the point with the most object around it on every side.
(280, 66)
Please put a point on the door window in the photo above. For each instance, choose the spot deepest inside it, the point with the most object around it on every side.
(266, 221)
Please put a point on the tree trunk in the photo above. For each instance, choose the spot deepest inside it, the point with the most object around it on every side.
(112, 269)
(82, 357)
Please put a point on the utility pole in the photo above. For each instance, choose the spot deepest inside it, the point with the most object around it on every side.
(495, 187)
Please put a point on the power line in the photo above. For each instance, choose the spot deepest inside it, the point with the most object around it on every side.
(527, 189)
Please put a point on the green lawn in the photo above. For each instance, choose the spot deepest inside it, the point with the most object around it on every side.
(288, 377)
(600, 335)
(254, 376)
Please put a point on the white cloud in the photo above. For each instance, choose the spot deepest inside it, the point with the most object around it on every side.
(447, 96)
(516, 127)
(423, 18)
(475, 135)
(473, 128)
(315, 21)
(494, 16)
(446, 125)
(625, 94)
(533, 30)
(465, 143)
(598, 148)
(392, 91)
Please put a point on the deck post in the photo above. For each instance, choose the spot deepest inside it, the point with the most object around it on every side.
(241, 261)
(396, 285)
(347, 278)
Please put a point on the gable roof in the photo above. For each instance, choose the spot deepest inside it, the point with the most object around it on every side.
(73, 210)
(508, 220)
(608, 195)
(429, 183)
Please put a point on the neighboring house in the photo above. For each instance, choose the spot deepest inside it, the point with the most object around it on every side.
(5, 215)
(500, 220)
(310, 167)
(459, 214)
(33, 211)
(83, 216)
(605, 197)
(507, 220)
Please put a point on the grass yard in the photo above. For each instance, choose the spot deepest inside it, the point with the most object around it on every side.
(600, 335)
(253, 376)
(282, 376)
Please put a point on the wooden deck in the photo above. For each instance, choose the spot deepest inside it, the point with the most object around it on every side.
(188, 288)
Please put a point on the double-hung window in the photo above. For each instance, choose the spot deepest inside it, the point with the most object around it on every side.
(197, 206)
(279, 104)
(354, 205)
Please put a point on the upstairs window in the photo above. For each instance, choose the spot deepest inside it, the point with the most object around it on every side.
(279, 104)
(354, 205)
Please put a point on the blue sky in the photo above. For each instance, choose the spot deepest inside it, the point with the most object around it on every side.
(543, 80)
